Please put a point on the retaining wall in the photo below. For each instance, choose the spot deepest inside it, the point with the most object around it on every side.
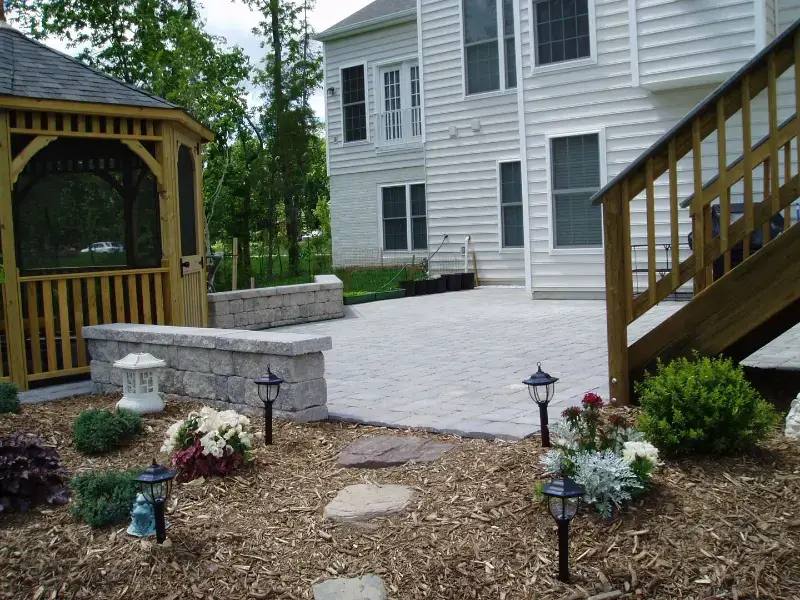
(217, 366)
(264, 308)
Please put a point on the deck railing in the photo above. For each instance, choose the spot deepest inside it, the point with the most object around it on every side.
(56, 307)
(398, 127)
(770, 162)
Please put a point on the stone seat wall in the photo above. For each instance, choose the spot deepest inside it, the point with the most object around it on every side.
(217, 366)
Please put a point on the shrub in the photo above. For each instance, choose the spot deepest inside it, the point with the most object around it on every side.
(30, 472)
(703, 405)
(104, 498)
(97, 431)
(209, 442)
(9, 398)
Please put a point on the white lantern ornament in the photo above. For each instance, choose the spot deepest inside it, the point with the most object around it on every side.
(140, 383)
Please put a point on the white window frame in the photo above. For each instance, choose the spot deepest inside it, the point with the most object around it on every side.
(404, 64)
(576, 63)
(602, 157)
(500, 51)
(366, 103)
(409, 240)
(500, 247)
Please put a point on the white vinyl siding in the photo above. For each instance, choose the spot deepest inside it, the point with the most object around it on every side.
(684, 43)
(466, 136)
(511, 213)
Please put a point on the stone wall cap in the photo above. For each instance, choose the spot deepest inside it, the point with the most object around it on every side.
(329, 280)
(267, 342)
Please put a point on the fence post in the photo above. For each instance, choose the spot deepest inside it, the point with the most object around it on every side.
(616, 300)
(235, 264)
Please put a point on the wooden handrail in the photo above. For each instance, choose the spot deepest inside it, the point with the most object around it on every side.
(88, 274)
(712, 255)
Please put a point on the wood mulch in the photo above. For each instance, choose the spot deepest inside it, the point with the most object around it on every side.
(725, 528)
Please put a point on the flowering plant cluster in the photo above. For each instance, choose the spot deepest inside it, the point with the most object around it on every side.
(607, 456)
(209, 442)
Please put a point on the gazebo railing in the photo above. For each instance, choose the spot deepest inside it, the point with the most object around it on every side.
(56, 307)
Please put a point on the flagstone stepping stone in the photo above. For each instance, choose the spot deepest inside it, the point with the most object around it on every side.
(369, 587)
(390, 451)
(365, 501)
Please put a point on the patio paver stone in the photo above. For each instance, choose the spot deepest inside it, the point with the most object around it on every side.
(365, 501)
(390, 451)
(369, 587)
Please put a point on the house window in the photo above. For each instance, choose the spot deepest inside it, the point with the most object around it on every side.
(399, 120)
(484, 61)
(575, 179)
(562, 30)
(404, 217)
(511, 204)
(354, 104)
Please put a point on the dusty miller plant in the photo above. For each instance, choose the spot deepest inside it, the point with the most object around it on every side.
(607, 480)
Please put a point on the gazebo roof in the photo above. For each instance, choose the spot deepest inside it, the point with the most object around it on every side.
(29, 69)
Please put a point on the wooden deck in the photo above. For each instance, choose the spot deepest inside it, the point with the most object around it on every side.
(744, 306)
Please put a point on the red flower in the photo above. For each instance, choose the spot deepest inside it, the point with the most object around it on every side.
(573, 412)
(618, 421)
(592, 400)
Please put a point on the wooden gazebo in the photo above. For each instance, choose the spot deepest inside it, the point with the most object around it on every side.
(101, 213)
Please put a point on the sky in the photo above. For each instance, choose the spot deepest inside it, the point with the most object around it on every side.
(233, 20)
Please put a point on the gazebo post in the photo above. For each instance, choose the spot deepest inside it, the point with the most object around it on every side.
(12, 300)
(167, 155)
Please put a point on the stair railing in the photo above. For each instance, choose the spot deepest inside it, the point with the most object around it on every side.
(623, 306)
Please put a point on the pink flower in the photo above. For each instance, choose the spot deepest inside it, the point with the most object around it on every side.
(592, 400)
(618, 421)
(573, 412)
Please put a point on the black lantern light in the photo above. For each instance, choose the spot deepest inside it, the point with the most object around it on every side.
(268, 389)
(155, 484)
(563, 497)
(542, 388)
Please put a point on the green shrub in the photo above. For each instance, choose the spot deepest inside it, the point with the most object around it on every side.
(98, 430)
(104, 498)
(703, 405)
(9, 398)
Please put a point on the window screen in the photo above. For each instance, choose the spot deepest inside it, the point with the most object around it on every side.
(562, 30)
(481, 49)
(508, 39)
(511, 204)
(187, 201)
(419, 225)
(83, 205)
(395, 234)
(354, 104)
(576, 177)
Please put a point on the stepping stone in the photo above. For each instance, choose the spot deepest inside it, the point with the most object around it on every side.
(390, 451)
(369, 587)
(365, 501)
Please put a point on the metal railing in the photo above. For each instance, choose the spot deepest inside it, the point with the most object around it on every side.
(398, 127)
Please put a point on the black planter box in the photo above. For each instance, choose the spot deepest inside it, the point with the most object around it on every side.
(468, 281)
(420, 287)
(453, 282)
(441, 285)
(390, 295)
(360, 299)
(432, 286)
(409, 287)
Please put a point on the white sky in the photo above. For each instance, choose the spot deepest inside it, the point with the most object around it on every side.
(234, 21)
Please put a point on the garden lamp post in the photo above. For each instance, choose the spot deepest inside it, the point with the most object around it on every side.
(155, 484)
(542, 388)
(563, 497)
(268, 389)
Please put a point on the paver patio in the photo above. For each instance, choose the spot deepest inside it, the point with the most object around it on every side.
(454, 362)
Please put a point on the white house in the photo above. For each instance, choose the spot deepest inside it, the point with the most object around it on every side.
(499, 119)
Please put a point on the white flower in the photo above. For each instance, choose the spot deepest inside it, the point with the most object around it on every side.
(633, 450)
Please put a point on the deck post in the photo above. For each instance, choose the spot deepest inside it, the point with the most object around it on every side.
(15, 334)
(616, 298)
(166, 154)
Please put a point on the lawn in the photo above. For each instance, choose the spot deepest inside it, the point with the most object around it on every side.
(723, 528)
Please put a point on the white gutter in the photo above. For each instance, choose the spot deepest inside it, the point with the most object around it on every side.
(369, 25)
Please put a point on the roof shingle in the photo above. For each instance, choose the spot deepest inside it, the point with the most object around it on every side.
(375, 10)
(29, 69)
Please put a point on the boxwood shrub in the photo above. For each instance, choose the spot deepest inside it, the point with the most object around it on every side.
(9, 398)
(702, 406)
(103, 498)
(97, 430)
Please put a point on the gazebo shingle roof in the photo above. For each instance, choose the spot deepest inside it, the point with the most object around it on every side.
(29, 69)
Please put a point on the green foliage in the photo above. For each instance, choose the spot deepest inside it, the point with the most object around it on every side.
(703, 405)
(9, 398)
(97, 431)
(103, 498)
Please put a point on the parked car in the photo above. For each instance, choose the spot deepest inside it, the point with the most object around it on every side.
(104, 248)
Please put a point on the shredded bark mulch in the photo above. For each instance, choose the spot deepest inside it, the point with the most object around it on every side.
(712, 528)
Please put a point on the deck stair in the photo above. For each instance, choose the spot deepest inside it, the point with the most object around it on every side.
(737, 308)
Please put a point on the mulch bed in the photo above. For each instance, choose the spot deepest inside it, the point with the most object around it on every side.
(725, 528)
